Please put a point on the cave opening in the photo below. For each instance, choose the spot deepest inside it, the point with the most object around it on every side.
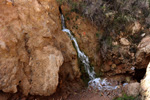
(139, 74)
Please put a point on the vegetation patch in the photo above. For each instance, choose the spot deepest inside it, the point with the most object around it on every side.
(84, 74)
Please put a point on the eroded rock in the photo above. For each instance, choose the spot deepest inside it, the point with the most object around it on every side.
(85, 33)
(45, 66)
(143, 52)
(34, 53)
(12, 49)
(145, 85)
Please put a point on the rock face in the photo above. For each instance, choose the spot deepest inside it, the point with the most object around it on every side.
(85, 33)
(119, 34)
(121, 30)
(144, 49)
(45, 78)
(34, 52)
(144, 53)
(145, 85)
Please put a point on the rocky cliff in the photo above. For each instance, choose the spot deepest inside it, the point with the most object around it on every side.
(122, 27)
(35, 55)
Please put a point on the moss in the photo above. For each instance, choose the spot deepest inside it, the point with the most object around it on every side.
(84, 74)
(74, 7)
(67, 18)
(97, 34)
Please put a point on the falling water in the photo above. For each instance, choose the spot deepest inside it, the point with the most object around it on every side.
(96, 83)
(84, 59)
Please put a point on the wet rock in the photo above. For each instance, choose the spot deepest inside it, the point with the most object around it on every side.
(86, 35)
(132, 89)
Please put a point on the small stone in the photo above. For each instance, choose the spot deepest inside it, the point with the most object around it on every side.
(115, 43)
(113, 66)
(136, 27)
(124, 42)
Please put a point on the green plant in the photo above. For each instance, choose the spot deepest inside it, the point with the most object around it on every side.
(125, 97)
(77, 17)
(74, 7)
(75, 27)
(67, 18)
(84, 75)
(98, 34)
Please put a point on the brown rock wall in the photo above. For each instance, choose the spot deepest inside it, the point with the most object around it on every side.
(33, 49)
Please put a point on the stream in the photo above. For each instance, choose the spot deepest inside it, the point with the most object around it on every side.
(94, 83)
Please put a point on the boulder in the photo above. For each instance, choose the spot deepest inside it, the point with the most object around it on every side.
(145, 85)
(132, 89)
(34, 53)
(143, 52)
(45, 66)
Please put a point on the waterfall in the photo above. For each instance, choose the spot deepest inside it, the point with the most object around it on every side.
(84, 59)
(95, 83)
